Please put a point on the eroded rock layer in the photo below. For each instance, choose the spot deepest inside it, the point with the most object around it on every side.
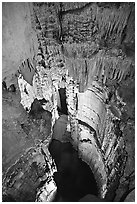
(87, 50)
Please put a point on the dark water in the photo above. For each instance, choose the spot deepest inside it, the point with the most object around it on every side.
(74, 178)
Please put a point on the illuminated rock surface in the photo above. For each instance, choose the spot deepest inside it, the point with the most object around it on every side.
(75, 80)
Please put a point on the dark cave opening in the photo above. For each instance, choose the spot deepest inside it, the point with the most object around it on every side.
(74, 178)
(62, 94)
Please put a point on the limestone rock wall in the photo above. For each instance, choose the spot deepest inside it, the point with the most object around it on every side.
(26, 161)
(88, 43)
(92, 46)
(19, 40)
(96, 133)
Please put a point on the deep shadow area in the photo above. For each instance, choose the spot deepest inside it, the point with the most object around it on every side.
(74, 178)
(62, 94)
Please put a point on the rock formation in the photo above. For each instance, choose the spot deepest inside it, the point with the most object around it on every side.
(82, 55)
(18, 38)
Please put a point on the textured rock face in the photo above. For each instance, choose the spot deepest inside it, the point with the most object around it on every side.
(92, 46)
(96, 134)
(26, 162)
(18, 38)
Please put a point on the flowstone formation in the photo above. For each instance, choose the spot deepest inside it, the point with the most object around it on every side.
(75, 87)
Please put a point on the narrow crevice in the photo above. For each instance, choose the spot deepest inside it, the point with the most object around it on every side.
(63, 109)
(91, 129)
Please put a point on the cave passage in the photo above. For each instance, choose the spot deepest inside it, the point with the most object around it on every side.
(63, 109)
(54, 54)
(74, 178)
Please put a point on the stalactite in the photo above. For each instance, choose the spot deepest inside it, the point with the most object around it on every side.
(81, 42)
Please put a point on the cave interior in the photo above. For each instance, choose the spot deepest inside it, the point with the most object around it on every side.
(68, 101)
